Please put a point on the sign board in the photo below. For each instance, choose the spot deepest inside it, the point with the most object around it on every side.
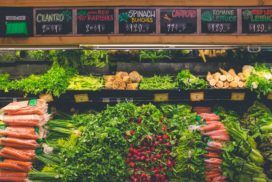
(257, 21)
(95, 21)
(178, 21)
(137, 21)
(16, 22)
(219, 20)
(53, 21)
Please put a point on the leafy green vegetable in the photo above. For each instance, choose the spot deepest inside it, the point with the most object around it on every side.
(154, 55)
(260, 80)
(157, 82)
(187, 81)
(258, 120)
(241, 160)
(85, 83)
(5, 82)
(55, 81)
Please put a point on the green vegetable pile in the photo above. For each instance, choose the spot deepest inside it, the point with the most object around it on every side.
(79, 82)
(54, 81)
(157, 82)
(242, 161)
(98, 147)
(187, 81)
(5, 82)
(260, 80)
(258, 120)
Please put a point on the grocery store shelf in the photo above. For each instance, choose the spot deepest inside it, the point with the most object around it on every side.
(76, 41)
(145, 96)
(63, 3)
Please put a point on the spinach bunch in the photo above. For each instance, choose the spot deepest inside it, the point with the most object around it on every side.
(187, 81)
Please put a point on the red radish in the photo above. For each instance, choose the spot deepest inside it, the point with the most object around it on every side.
(132, 132)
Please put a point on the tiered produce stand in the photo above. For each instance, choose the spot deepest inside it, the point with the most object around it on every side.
(142, 91)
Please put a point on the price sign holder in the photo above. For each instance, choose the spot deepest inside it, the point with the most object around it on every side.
(161, 97)
(269, 96)
(79, 98)
(106, 100)
(197, 96)
(47, 97)
(238, 96)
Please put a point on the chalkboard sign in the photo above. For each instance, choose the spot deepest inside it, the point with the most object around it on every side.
(137, 21)
(95, 21)
(16, 22)
(53, 21)
(178, 20)
(219, 20)
(257, 21)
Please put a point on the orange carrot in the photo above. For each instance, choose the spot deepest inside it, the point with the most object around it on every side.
(211, 127)
(213, 161)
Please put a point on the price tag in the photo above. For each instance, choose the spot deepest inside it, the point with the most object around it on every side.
(81, 98)
(197, 96)
(162, 97)
(47, 97)
(238, 96)
(269, 97)
(106, 100)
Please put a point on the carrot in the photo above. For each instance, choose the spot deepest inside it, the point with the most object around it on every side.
(26, 165)
(24, 155)
(210, 127)
(212, 155)
(13, 167)
(12, 179)
(213, 161)
(18, 135)
(215, 145)
(216, 132)
(12, 174)
(220, 137)
(19, 143)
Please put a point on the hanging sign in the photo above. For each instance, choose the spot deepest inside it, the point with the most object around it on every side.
(53, 21)
(137, 21)
(95, 21)
(256, 21)
(178, 21)
(219, 20)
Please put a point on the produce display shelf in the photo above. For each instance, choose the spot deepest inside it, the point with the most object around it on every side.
(115, 96)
